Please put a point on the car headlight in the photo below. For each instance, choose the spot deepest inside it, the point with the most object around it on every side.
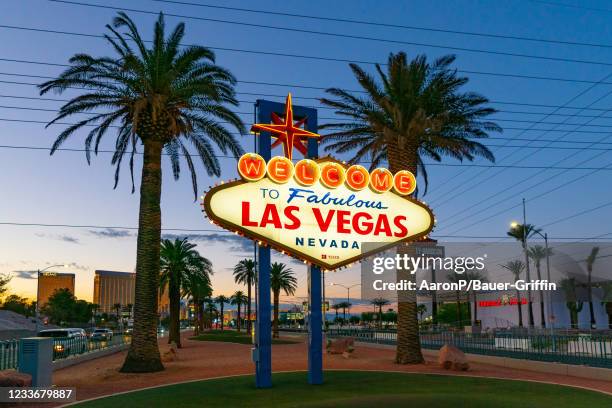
(58, 347)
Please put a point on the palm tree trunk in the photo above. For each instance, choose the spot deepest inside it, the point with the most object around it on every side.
(590, 295)
(520, 308)
(541, 293)
(475, 307)
(238, 319)
(143, 355)
(174, 296)
(249, 307)
(221, 317)
(275, 325)
(408, 350)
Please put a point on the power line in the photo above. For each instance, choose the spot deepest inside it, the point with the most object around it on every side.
(573, 168)
(340, 35)
(388, 25)
(575, 6)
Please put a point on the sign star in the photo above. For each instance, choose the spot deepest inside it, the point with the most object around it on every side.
(286, 131)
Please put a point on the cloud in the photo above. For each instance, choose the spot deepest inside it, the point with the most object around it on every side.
(111, 233)
(66, 238)
(21, 274)
(238, 243)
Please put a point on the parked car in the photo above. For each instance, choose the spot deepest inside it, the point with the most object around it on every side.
(66, 341)
(102, 335)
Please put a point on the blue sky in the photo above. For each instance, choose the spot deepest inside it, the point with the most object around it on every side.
(62, 189)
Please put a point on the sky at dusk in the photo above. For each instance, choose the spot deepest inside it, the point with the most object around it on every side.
(36, 188)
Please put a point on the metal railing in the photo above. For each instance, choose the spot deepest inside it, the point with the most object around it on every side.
(593, 350)
(9, 349)
(62, 348)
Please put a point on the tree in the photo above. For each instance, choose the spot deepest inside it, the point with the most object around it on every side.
(344, 305)
(457, 278)
(281, 278)
(238, 299)
(163, 97)
(475, 275)
(606, 300)
(336, 307)
(245, 273)
(416, 111)
(516, 267)
(63, 307)
(589, 262)
(117, 309)
(211, 310)
(537, 253)
(222, 300)
(521, 233)
(19, 305)
(569, 285)
(199, 287)
(379, 302)
(5, 278)
(178, 260)
(130, 307)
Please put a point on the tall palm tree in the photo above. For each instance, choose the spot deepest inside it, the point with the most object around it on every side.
(130, 306)
(246, 274)
(221, 300)
(336, 307)
(238, 299)
(199, 287)
(281, 278)
(178, 261)
(415, 111)
(344, 305)
(162, 97)
(516, 267)
(569, 286)
(211, 310)
(521, 233)
(537, 253)
(117, 309)
(379, 303)
(590, 261)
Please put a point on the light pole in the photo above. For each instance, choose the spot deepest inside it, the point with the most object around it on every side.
(38, 272)
(348, 293)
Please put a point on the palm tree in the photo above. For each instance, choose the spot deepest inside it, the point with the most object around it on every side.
(475, 275)
(606, 300)
(336, 307)
(379, 302)
(238, 299)
(521, 233)
(162, 97)
(211, 310)
(574, 306)
(589, 262)
(537, 253)
(130, 306)
(222, 300)
(245, 273)
(178, 260)
(421, 310)
(416, 110)
(455, 277)
(344, 306)
(516, 267)
(117, 309)
(199, 287)
(281, 278)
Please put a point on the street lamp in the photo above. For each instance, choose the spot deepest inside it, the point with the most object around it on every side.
(38, 272)
(348, 293)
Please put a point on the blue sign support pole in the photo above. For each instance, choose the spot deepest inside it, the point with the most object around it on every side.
(263, 328)
(315, 320)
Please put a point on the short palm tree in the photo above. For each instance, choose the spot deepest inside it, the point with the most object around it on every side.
(221, 300)
(416, 110)
(590, 261)
(516, 267)
(281, 278)
(421, 310)
(245, 273)
(336, 307)
(475, 275)
(117, 309)
(211, 310)
(521, 233)
(179, 260)
(379, 303)
(199, 287)
(164, 98)
(238, 299)
(570, 289)
(537, 253)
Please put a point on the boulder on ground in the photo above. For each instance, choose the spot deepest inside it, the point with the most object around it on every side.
(450, 357)
(11, 378)
(341, 345)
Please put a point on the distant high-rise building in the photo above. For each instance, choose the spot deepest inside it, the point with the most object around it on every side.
(49, 282)
(111, 287)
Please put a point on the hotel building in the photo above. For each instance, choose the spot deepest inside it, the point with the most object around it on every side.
(49, 282)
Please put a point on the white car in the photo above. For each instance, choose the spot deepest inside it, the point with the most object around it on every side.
(102, 334)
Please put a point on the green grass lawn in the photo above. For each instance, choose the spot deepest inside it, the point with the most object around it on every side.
(360, 389)
(232, 336)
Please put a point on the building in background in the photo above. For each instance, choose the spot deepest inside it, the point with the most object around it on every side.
(111, 287)
(49, 282)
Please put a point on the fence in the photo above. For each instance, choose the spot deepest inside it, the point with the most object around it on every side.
(592, 350)
(62, 348)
